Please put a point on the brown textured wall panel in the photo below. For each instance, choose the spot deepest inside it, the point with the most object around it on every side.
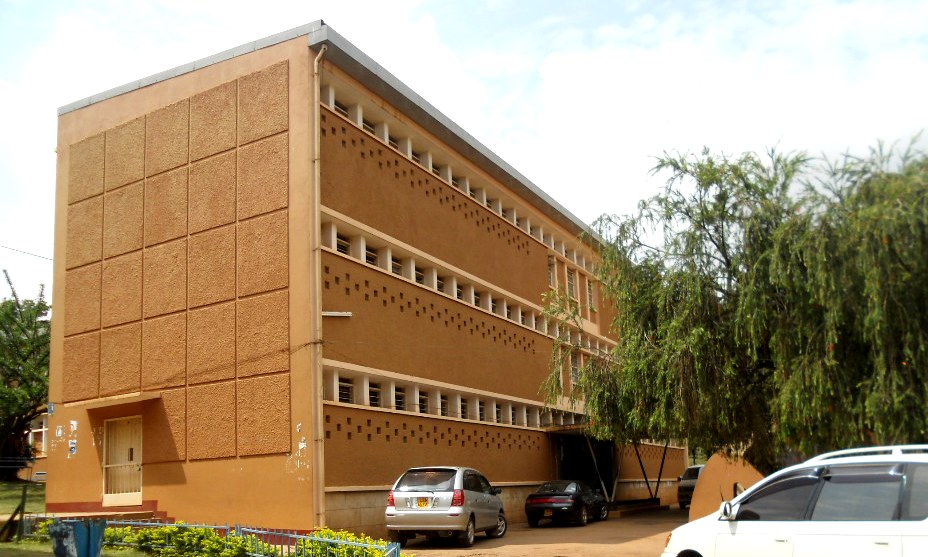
(120, 359)
(164, 428)
(122, 289)
(368, 181)
(211, 262)
(166, 278)
(166, 206)
(166, 138)
(81, 369)
(85, 168)
(263, 103)
(164, 352)
(263, 176)
(82, 299)
(211, 421)
(211, 344)
(501, 453)
(122, 220)
(391, 314)
(125, 154)
(85, 232)
(212, 192)
(263, 334)
(264, 415)
(263, 252)
(212, 121)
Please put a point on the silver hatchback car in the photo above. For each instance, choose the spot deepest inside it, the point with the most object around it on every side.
(444, 501)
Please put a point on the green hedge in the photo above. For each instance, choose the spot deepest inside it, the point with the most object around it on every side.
(180, 540)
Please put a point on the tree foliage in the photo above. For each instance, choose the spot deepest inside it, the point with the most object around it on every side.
(764, 306)
(24, 356)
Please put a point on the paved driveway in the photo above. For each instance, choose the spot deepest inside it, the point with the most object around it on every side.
(638, 535)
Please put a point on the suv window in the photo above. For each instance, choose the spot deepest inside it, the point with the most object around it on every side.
(439, 479)
(691, 473)
(472, 482)
(785, 499)
(859, 493)
(915, 503)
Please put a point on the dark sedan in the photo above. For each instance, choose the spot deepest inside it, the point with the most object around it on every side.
(565, 500)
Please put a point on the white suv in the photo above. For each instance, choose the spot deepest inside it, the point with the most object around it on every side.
(869, 501)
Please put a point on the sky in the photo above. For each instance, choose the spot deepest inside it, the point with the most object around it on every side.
(581, 97)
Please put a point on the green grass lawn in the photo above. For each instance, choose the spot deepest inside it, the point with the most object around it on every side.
(30, 549)
(11, 492)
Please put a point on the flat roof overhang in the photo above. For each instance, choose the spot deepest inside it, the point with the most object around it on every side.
(365, 70)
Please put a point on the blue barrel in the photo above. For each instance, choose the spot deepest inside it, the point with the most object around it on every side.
(77, 538)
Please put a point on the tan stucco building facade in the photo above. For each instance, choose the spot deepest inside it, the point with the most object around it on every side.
(282, 278)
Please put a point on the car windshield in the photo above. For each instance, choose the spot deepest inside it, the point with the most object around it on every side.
(558, 487)
(440, 479)
(692, 473)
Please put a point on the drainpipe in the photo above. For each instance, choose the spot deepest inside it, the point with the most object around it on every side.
(316, 266)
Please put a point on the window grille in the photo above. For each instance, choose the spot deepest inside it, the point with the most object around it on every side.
(399, 398)
(345, 390)
(342, 244)
(373, 394)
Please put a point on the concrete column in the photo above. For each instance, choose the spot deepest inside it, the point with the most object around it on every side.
(384, 258)
(358, 247)
(356, 114)
(430, 278)
(382, 131)
(329, 234)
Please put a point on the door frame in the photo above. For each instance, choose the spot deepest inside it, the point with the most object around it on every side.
(133, 498)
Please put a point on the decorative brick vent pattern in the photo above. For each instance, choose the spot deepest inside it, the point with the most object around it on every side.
(375, 184)
(349, 432)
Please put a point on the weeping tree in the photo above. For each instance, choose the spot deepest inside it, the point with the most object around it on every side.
(24, 355)
(764, 306)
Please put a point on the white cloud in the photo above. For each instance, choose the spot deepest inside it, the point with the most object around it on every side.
(579, 101)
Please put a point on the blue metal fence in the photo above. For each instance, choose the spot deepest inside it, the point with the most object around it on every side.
(258, 542)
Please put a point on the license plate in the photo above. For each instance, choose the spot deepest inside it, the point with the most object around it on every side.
(423, 502)
(549, 512)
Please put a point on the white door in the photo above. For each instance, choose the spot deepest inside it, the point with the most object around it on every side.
(122, 462)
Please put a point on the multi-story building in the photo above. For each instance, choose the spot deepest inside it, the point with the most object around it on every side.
(282, 278)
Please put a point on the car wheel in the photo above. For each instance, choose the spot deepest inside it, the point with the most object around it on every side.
(584, 517)
(398, 537)
(604, 512)
(533, 521)
(501, 527)
(466, 536)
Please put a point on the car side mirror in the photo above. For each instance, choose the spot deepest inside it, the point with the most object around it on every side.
(726, 512)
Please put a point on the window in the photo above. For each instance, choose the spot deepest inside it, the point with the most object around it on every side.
(785, 499)
(590, 299)
(443, 405)
(459, 292)
(481, 411)
(420, 275)
(396, 266)
(370, 256)
(464, 407)
(342, 244)
(399, 398)
(574, 368)
(373, 394)
(345, 390)
(341, 109)
(512, 414)
(367, 125)
(572, 283)
(423, 402)
(477, 299)
(416, 156)
(915, 503)
(440, 284)
(392, 142)
(859, 493)
(552, 276)
(498, 414)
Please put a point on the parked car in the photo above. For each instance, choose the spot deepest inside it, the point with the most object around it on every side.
(868, 501)
(565, 500)
(444, 501)
(687, 484)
